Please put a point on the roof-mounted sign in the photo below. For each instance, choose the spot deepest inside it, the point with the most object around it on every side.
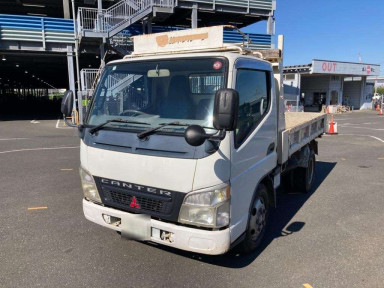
(344, 68)
(184, 40)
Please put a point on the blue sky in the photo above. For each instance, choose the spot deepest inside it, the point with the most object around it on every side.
(330, 30)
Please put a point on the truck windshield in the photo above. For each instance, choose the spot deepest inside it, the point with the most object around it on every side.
(158, 92)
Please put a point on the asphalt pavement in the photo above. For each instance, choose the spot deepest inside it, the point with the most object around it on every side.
(332, 237)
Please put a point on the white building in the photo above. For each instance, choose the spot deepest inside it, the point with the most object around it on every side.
(325, 82)
(376, 81)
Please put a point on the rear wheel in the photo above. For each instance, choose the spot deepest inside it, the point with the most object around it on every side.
(287, 181)
(305, 176)
(258, 220)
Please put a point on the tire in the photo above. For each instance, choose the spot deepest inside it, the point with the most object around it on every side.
(305, 176)
(287, 181)
(257, 221)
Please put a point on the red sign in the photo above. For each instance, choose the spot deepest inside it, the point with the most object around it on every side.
(329, 66)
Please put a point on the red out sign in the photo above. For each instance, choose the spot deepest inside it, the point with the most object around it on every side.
(329, 66)
(344, 68)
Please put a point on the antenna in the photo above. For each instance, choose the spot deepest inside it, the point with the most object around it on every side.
(360, 59)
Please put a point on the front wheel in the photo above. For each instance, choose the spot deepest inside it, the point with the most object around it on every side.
(257, 221)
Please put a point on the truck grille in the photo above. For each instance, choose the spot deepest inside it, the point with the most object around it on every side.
(141, 199)
(124, 199)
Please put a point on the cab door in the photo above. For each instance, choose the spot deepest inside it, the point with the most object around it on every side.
(254, 141)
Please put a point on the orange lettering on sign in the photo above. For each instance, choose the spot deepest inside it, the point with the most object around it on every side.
(164, 40)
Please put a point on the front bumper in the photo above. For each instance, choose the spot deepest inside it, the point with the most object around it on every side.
(184, 238)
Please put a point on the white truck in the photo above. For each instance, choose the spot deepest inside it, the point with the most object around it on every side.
(186, 142)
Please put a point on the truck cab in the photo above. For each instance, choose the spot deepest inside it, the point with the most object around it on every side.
(157, 162)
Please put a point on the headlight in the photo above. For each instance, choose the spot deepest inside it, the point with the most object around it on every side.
(89, 186)
(207, 209)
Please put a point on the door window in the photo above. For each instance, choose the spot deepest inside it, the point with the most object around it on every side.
(253, 87)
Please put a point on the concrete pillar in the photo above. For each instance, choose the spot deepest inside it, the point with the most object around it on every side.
(341, 95)
(100, 12)
(271, 26)
(102, 53)
(71, 72)
(362, 96)
(66, 9)
(149, 25)
(194, 21)
(329, 91)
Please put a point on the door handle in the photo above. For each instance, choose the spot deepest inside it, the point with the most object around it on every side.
(271, 148)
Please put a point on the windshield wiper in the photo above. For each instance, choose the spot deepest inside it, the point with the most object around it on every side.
(101, 126)
(149, 132)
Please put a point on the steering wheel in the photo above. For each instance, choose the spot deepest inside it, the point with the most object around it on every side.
(134, 112)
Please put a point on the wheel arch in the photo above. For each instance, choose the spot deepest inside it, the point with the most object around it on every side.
(268, 183)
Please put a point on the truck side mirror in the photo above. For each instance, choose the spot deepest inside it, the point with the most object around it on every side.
(67, 103)
(226, 110)
(225, 113)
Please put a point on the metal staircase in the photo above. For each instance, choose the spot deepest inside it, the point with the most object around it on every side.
(122, 43)
(109, 22)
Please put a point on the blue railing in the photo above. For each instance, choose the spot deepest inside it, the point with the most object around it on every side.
(45, 29)
(259, 41)
(36, 29)
(248, 4)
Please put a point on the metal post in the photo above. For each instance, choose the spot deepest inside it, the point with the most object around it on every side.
(194, 21)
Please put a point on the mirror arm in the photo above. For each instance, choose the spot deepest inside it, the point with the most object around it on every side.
(67, 123)
(218, 137)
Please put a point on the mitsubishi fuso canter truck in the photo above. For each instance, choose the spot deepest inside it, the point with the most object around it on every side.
(186, 141)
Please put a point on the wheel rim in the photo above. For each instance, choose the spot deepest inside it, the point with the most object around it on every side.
(258, 219)
(311, 171)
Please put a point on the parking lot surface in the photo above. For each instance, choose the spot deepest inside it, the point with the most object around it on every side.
(332, 237)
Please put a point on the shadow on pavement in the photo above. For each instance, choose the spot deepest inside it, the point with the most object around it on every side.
(29, 109)
(287, 207)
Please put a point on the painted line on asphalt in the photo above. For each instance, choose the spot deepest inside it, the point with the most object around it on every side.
(63, 127)
(370, 136)
(38, 149)
(357, 127)
(357, 124)
(35, 122)
(66, 169)
(38, 208)
(362, 118)
(306, 285)
(12, 139)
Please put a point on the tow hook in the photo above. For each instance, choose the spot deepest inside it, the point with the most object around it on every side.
(111, 220)
(167, 237)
